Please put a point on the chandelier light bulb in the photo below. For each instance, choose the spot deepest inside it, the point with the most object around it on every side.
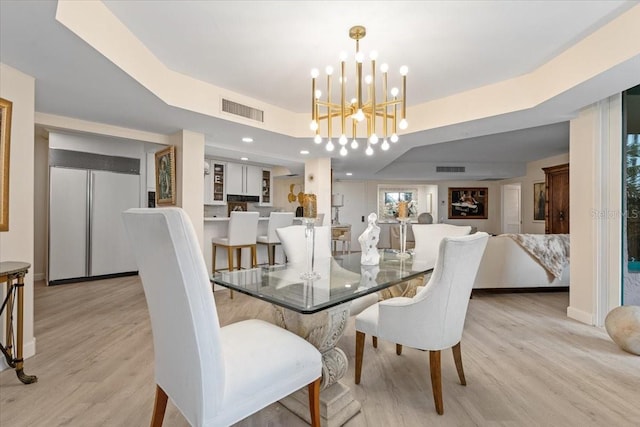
(359, 57)
(343, 139)
(385, 145)
(313, 125)
(318, 93)
(403, 124)
(315, 73)
(373, 55)
(329, 70)
(373, 138)
(330, 146)
(394, 137)
(394, 92)
(368, 79)
(343, 56)
(369, 151)
(343, 151)
(354, 144)
(317, 139)
(353, 100)
(359, 116)
(384, 67)
(404, 70)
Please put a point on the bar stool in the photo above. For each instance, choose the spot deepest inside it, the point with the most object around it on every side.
(276, 220)
(242, 233)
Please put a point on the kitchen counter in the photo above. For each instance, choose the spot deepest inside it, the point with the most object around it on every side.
(226, 218)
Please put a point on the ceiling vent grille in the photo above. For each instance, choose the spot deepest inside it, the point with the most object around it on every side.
(450, 169)
(242, 110)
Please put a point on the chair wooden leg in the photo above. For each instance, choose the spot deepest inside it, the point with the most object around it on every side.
(159, 407)
(254, 256)
(360, 336)
(230, 265)
(398, 349)
(271, 253)
(213, 258)
(374, 342)
(457, 357)
(314, 402)
(436, 380)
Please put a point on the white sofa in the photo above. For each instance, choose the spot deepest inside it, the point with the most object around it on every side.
(506, 264)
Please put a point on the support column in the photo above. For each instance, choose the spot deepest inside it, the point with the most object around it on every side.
(317, 180)
(189, 177)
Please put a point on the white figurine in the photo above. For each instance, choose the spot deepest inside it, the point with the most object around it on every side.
(369, 242)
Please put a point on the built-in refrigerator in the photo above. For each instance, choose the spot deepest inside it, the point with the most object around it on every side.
(87, 194)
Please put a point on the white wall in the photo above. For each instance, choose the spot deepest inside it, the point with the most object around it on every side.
(17, 243)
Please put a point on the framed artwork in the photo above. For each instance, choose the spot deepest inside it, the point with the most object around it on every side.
(468, 202)
(166, 176)
(539, 200)
(389, 198)
(5, 140)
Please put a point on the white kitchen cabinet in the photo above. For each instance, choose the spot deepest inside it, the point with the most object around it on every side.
(214, 184)
(245, 180)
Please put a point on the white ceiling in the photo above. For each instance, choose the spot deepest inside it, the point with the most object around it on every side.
(265, 50)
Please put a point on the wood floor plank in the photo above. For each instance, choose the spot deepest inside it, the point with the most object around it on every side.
(525, 362)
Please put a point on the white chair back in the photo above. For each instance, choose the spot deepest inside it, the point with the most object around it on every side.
(437, 313)
(294, 243)
(278, 220)
(428, 238)
(189, 362)
(243, 228)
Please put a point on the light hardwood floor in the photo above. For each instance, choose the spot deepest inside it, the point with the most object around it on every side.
(526, 364)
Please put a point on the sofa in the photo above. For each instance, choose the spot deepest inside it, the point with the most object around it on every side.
(506, 264)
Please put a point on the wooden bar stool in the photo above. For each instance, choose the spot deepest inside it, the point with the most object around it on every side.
(242, 233)
(276, 220)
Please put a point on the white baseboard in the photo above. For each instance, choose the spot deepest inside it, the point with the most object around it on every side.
(28, 350)
(580, 316)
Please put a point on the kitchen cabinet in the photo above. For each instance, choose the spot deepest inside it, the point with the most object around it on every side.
(244, 180)
(266, 197)
(214, 183)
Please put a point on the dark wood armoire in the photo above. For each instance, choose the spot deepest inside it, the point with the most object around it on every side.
(557, 200)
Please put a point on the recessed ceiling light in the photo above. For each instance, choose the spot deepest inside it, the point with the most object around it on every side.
(247, 139)
(304, 152)
(244, 159)
(349, 174)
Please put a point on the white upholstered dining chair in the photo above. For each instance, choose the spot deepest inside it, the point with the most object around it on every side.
(294, 246)
(428, 238)
(435, 314)
(276, 220)
(214, 375)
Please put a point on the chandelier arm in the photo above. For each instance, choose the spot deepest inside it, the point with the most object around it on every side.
(373, 93)
(343, 84)
(329, 128)
(384, 104)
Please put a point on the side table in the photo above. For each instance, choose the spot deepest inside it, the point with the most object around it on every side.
(12, 273)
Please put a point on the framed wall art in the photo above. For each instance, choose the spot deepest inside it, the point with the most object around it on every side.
(5, 141)
(539, 200)
(468, 202)
(166, 176)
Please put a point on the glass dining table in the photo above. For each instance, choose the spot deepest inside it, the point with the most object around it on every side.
(318, 310)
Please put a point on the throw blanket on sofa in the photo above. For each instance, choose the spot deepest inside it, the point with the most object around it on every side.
(551, 250)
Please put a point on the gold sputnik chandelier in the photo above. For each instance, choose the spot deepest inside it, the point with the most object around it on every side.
(381, 118)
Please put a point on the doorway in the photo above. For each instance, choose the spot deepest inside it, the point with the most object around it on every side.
(511, 215)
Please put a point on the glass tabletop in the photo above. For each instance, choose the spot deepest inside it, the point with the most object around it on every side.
(342, 279)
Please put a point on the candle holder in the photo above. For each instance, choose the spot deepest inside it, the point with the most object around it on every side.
(403, 238)
(310, 237)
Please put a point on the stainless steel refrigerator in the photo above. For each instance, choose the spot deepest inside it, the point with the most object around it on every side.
(87, 194)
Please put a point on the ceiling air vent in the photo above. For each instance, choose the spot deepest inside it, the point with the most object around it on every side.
(242, 110)
(454, 169)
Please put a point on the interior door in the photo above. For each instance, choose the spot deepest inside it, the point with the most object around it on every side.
(511, 211)
(67, 223)
(112, 193)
